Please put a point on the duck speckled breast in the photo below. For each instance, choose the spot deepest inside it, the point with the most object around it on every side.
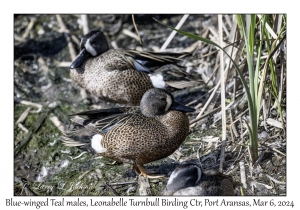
(143, 140)
(111, 77)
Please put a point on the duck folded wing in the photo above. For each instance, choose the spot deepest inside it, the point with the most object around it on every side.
(153, 60)
(103, 120)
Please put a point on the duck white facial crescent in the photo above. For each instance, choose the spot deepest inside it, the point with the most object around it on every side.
(169, 102)
(89, 48)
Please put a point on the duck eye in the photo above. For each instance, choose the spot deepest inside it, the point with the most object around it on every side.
(163, 99)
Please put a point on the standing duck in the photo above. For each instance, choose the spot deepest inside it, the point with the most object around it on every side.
(190, 179)
(134, 135)
(117, 75)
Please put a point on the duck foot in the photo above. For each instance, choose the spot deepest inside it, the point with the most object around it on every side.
(144, 173)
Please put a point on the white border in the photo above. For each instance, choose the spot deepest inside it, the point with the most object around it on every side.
(154, 6)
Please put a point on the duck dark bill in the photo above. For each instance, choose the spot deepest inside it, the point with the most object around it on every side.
(81, 57)
(180, 107)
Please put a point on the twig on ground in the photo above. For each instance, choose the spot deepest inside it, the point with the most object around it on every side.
(112, 189)
(23, 116)
(173, 33)
(39, 106)
(22, 128)
(275, 180)
(57, 122)
(243, 174)
(222, 79)
(66, 32)
(137, 31)
(31, 131)
(84, 23)
(29, 27)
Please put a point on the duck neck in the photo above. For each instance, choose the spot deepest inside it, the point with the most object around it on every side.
(177, 125)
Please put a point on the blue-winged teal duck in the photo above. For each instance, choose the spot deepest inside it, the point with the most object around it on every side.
(190, 179)
(135, 135)
(118, 75)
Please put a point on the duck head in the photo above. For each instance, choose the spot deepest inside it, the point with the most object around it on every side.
(92, 44)
(184, 176)
(158, 101)
(190, 179)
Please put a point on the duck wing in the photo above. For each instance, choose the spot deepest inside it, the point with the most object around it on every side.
(104, 119)
(166, 64)
(101, 113)
(89, 123)
(149, 61)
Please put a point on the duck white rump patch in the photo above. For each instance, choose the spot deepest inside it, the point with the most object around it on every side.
(96, 143)
(157, 80)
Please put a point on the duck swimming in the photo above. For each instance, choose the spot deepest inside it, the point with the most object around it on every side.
(117, 75)
(190, 179)
(134, 135)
